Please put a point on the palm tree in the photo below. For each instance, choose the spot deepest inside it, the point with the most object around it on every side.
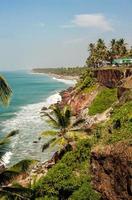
(64, 125)
(118, 48)
(122, 50)
(5, 91)
(5, 94)
(102, 52)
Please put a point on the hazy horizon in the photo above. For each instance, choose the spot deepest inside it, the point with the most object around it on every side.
(56, 33)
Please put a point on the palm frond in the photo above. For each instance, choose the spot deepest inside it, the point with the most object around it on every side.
(51, 120)
(47, 144)
(59, 116)
(12, 133)
(15, 170)
(49, 133)
(67, 115)
(78, 122)
(5, 91)
(61, 141)
(23, 166)
(4, 141)
(20, 193)
(7, 176)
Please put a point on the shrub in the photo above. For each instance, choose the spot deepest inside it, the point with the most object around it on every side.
(68, 175)
(103, 101)
(85, 192)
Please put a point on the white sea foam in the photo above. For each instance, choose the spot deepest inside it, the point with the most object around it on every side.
(29, 124)
(66, 81)
(6, 157)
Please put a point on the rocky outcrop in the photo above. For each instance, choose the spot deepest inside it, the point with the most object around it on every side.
(111, 77)
(112, 171)
(125, 89)
(77, 101)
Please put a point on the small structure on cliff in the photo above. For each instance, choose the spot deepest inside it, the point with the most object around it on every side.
(121, 61)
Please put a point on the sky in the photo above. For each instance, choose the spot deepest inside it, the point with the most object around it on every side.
(56, 33)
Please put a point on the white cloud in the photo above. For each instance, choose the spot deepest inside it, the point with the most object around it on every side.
(90, 21)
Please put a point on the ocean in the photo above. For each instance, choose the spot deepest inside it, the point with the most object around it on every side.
(30, 93)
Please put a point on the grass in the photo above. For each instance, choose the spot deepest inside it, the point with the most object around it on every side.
(103, 101)
(111, 134)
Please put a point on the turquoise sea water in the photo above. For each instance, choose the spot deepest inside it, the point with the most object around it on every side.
(30, 93)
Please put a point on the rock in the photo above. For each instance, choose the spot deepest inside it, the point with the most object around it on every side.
(108, 77)
(2, 167)
(35, 141)
(44, 108)
(77, 101)
(12, 133)
(39, 138)
(117, 124)
(111, 77)
(124, 92)
(112, 169)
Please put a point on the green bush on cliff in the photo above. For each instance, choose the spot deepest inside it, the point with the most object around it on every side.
(69, 177)
(119, 127)
(85, 192)
(124, 115)
(103, 101)
(86, 80)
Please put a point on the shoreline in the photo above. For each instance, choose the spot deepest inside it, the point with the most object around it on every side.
(74, 79)
(51, 99)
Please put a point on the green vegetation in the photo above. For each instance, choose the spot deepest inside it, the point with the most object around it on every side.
(61, 120)
(5, 91)
(101, 55)
(87, 81)
(103, 101)
(119, 127)
(5, 94)
(17, 169)
(63, 71)
(70, 177)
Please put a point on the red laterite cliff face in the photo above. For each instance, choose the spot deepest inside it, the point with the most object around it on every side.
(111, 77)
(112, 171)
(77, 101)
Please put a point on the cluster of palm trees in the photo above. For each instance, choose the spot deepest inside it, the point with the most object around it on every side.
(100, 54)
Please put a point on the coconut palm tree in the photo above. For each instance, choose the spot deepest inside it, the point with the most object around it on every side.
(122, 50)
(5, 94)
(63, 123)
(102, 52)
(118, 48)
(5, 91)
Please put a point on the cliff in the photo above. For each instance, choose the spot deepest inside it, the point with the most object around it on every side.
(78, 101)
(100, 165)
(111, 77)
(111, 164)
(112, 171)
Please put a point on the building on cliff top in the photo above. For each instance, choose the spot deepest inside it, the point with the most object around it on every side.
(121, 61)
